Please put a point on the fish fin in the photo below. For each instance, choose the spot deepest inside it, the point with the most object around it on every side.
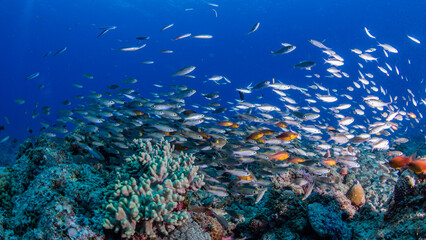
(413, 157)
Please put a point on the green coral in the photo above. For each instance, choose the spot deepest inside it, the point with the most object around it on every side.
(151, 201)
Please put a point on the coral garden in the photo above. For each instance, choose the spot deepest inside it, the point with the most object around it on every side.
(57, 191)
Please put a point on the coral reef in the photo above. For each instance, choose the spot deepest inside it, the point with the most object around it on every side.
(56, 190)
(327, 222)
(209, 224)
(152, 201)
(190, 230)
(5, 196)
(44, 179)
(297, 181)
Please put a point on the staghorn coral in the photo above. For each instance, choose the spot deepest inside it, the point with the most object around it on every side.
(152, 200)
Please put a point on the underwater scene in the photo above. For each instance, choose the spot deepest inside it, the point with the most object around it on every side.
(212, 119)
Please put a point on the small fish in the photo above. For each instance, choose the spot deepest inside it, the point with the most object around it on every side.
(203, 36)
(417, 166)
(88, 76)
(284, 50)
(308, 191)
(130, 80)
(282, 155)
(182, 36)
(105, 30)
(212, 4)
(260, 195)
(368, 33)
(388, 48)
(414, 39)
(131, 49)
(254, 136)
(218, 193)
(318, 44)
(142, 38)
(147, 62)
(19, 101)
(287, 136)
(305, 64)
(184, 71)
(60, 51)
(4, 139)
(329, 161)
(254, 28)
(168, 26)
(215, 12)
(400, 161)
(33, 76)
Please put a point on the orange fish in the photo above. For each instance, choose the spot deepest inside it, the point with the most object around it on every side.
(246, 178)
(296, 160)
(203, 134)
(139, 112)
(283, 155)
(225, 123)
(235, 125)
(166, 133)
(329, 161)
(287, 136)
(261, 140)
(400, 161)
(418, 166)
(267, 132)
(281, 124)
(412, 115)
(254, 136)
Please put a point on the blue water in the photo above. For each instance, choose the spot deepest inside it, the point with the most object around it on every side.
(30, 29)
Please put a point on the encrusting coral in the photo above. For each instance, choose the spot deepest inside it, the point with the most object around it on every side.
(152, 201)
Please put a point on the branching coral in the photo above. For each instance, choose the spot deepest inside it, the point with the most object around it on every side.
(152, 201)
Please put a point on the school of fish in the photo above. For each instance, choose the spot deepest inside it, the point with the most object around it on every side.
(253, 141)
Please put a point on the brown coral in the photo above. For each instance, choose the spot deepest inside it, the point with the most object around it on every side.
(209, 224)
(356, 195)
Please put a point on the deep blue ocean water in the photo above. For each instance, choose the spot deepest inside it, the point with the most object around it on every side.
(30, 29)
